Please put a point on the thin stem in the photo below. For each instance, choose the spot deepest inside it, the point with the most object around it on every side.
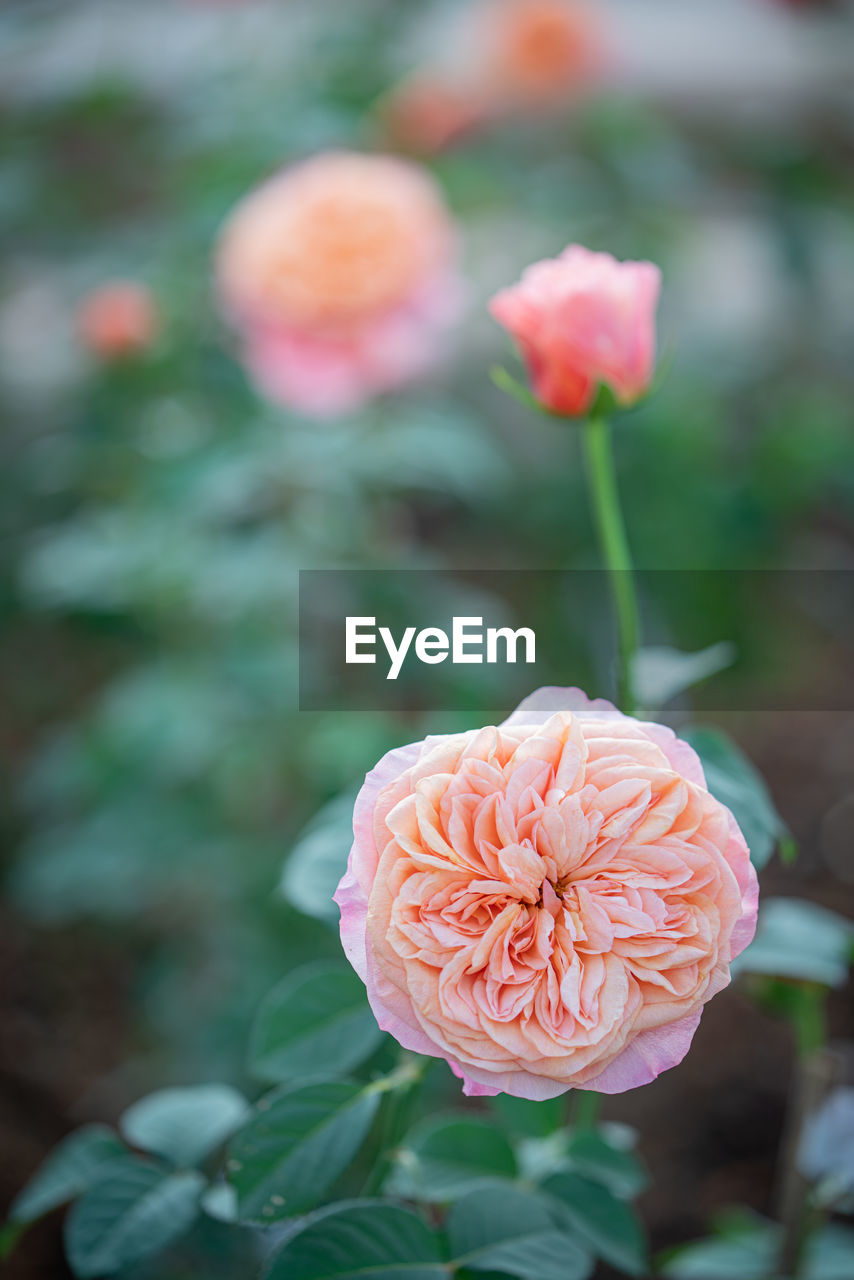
(586, 1110)
(605, 500)
(809, 1018)
(409, 1072)
(819, 1071)
(395, 1091)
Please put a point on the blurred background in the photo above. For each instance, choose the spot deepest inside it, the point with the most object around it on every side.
(156, 508)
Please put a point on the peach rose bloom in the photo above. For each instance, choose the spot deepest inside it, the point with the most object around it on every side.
(547, 904)
(118, 319)
(536, 52)
(339, 275)
(581, 320)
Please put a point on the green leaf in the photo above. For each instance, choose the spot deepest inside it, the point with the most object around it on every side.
(504, 381)
(364, 1238)
(530, 1119)
(428, 447)
(598, 1219)
(298, 1142)
(619, 1170)
(747, 1258)
(319, 1016)
(220, 1202)
(443, 1158)
(800, 940)
(185, 1125)
(134, 1210)
(829, 1254)
(68, 1171)
(749, 1251)
(732, 779)
(512, 1231)
(318, 860)
(660, 673)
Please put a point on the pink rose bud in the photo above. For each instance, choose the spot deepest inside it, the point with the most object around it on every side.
(548, 904)
(583, 320)
(339, 276)
(118, 319)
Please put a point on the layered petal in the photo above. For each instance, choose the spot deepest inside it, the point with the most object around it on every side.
(546, 903)
(583, 320)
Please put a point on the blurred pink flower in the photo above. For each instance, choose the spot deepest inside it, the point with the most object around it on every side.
(581, 320)
(547, 904)
(117, 319)
(535, 53)
(339, 274)
(428, 112)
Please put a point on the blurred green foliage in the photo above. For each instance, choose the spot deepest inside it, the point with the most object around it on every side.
(155, 514)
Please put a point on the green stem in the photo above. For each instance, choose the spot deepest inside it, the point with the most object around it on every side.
(409, 1072)
(395, 1092)
(809, 1018)
(586, 1109)
(605, 499)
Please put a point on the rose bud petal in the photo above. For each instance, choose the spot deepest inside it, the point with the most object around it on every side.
(547, 904)
(118, 319)
(339, 276)
(581, 320)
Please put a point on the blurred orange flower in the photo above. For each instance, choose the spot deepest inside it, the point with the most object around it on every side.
(535, 52)
(339, 275)
(493, 59)
(118, 319)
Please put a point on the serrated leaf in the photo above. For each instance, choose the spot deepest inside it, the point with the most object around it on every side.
(298, 1142)
(367, 1239)
(185, 1124)
(734, 781)
(443, 1158)
(800, 940)
(318, 860)
(608, 1226)
(319, 1015)
(134, 1210)
(512, 1231)
(68, 1171)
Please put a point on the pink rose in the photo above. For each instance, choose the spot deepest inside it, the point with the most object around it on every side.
(339, 275)
(547, 904)
(582, 320)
